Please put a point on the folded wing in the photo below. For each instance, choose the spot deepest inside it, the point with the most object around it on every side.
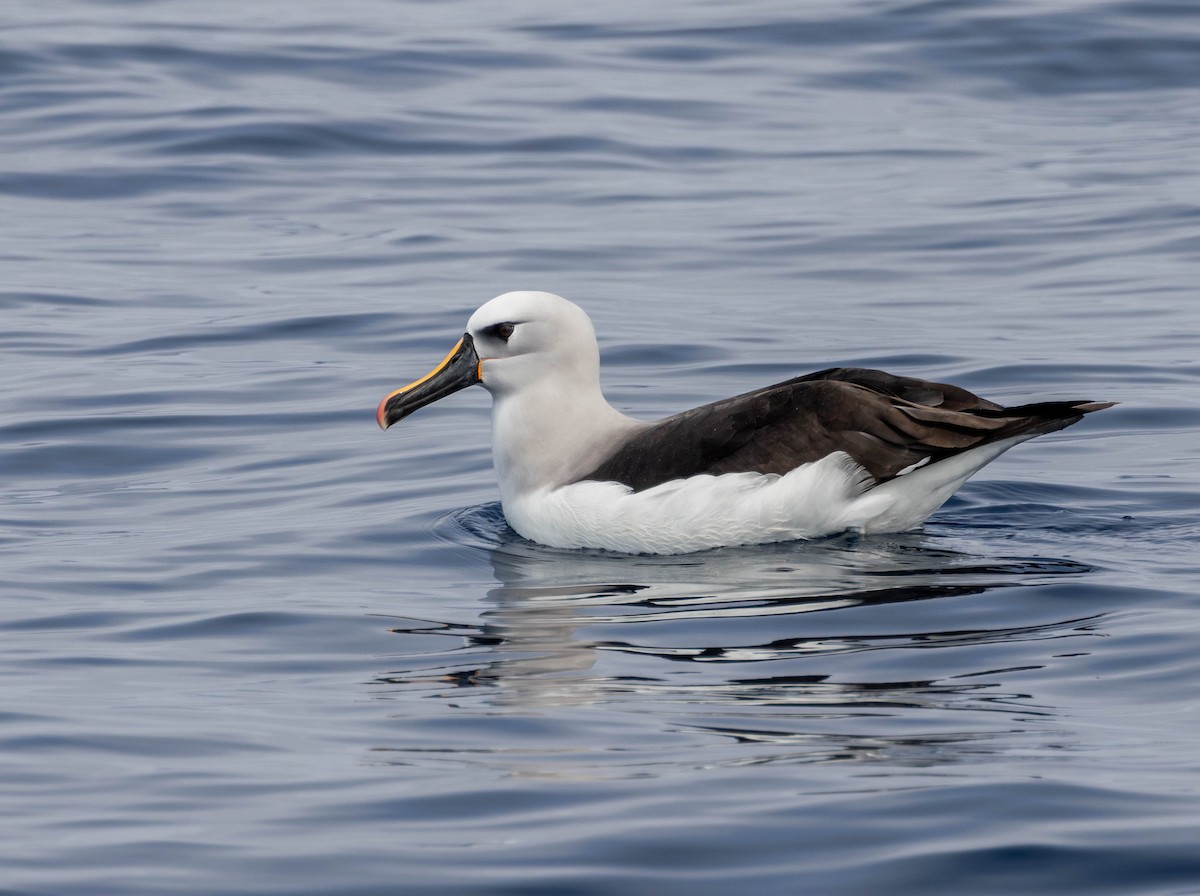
(888, 424)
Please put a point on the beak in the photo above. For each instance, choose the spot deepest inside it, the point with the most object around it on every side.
(458, 370)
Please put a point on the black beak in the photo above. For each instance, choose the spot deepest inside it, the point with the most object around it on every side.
(458, 370)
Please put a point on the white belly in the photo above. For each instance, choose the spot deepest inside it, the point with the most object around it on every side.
(699, 512)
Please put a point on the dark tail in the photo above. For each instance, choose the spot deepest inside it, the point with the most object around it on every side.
(1042, 417)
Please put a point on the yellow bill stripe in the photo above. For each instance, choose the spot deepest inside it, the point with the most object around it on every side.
(415, 383)
(430, 375)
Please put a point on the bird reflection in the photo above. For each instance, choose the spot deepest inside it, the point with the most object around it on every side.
(735, 627)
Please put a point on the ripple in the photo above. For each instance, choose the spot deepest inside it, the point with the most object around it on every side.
(234, 612)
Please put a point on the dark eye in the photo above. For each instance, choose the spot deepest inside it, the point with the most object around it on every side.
(501, 331)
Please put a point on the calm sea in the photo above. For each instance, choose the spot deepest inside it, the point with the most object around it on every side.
(251, 645)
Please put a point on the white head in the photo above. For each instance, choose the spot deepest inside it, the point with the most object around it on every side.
(536, 353)
(517, 342)
(524, 338)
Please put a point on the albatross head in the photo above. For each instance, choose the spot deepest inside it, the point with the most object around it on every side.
(514, 343)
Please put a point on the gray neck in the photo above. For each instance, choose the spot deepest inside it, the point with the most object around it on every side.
(545, 436)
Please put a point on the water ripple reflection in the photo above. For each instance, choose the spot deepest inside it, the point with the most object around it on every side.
(244, 651)
(793, 653)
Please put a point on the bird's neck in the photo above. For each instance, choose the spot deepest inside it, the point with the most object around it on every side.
(547, 436)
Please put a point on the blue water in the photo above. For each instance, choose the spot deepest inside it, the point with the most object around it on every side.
(251, 645)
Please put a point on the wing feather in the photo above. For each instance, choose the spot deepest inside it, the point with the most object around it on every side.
(885, 423)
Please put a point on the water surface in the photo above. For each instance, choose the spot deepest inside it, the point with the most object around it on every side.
(251, 645)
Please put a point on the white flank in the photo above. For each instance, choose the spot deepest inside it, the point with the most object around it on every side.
(700, 512)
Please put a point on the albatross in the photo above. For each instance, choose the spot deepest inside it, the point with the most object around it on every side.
(841, 449)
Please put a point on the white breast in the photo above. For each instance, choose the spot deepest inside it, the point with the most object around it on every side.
(699, 512)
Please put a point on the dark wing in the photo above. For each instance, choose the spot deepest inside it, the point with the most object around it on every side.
(886, 423)
(937, 395)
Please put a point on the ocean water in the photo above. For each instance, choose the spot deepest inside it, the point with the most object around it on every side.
(251, 645)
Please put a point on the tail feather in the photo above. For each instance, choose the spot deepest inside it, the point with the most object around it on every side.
(1043, 416)
(917, 493)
